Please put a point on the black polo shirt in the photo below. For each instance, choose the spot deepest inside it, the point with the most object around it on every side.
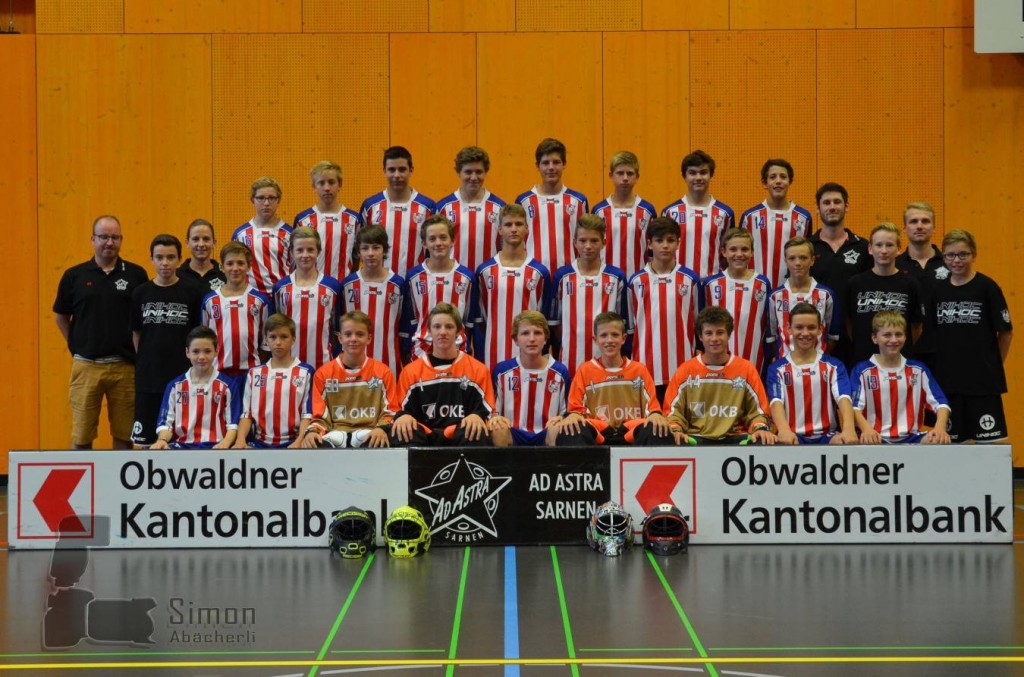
(100, 308)
(835, 268)
(213, 278)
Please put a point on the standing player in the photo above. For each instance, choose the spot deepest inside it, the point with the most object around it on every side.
(551, 208)
(530, 390)
(276, 404)
(663, 300)
(810, 394)
(509, 283)
(582, 291)
(801, 287)
(439, 279)
(744, 294)
(972, 337)
(626, 215)
(775, 221)
(202, 268)
(702, 219)
(892, 392)
(379, 293)
(310, 298)
(400, 210)
(335, 223)
(921, 256)
(266, 235)
(473, 209)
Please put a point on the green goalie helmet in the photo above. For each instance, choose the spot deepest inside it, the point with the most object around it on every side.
(407, 533)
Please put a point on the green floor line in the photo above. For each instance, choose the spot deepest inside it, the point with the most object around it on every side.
(341, 614)
(450, 670)
(565, 612)
(645, 649)
(866, 648)
(682, 615)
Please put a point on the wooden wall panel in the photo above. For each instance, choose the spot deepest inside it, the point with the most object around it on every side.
(471, 15)
(578, 15)
(647, 112)
(522, 98)
(749, 103)
(914, 13)
(672, 15)
(364, 16)
(19, 350)
(881, 90)
(433, 114)
(752, 14)
(222, 16)
(75, 16)
(114, 138)
(984, 172)
(281, 103)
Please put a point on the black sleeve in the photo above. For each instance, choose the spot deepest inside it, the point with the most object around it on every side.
(64, 303)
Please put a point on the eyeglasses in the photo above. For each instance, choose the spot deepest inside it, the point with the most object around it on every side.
(953, 256)
(108, 238)
(266, 198)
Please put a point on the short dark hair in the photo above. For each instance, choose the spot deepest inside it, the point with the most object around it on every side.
(715, 315)
(201, 332)
(775, 162)
(165, 240)
(196, 223)
(804, 308)
(548, 146)
(397, 153)
(830, 187)
(696, 159)
(370, 235)
(662, 226)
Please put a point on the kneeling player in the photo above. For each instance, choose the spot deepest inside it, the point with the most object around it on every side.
(892, 392)
(717, 397)
(446, 395)
(530, 390)
(354, 395)
(810, 390)
(612, 398)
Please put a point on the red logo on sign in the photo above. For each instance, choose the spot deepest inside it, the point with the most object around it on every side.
(647, 482)
(53, 498)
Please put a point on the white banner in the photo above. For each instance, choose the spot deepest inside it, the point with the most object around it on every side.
(858, 494)
(196, 499)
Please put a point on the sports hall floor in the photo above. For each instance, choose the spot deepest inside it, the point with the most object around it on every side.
(791, 611)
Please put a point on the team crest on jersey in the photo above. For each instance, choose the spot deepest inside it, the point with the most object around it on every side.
(216, 398)
(325, 301)
(941, 273)
(914, 379)
(216, 283)
(851, 257)
(121, 284)
(570, 208)
(464, 383)
(638, 383)
(552, 386)
(759, 295)
(532, 283)
(492, 217)
(739, 383)
(419, 218)
(609, 288)
(374, 383)
(462, 287)
(254, 310)
(350, 228)
(297, 381)
(720, 220)
(683, 290)
(393, 298)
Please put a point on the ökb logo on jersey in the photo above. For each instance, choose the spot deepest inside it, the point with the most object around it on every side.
(463, 500)
(56, 497)
(646, 483)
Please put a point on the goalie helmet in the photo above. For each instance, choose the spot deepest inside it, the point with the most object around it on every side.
(353, 532)
(406, 533)
(610, 530)
(666, 531)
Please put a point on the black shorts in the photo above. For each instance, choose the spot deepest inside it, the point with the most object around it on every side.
(147, 409)
(977, 417)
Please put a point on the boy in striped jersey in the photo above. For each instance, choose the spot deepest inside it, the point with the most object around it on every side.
(472, 209)
(335, 223)
(627, 216)
(799, 288)
(891, 392)
(266, 235)
(530, 390)
(775, 221)
(702, 219)
(275, 407)
(810, 394)
(199, 411)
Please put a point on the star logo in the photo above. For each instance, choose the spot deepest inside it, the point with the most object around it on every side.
(121, 284)
(463, 499)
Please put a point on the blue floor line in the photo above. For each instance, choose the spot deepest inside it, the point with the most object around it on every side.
(511, 611)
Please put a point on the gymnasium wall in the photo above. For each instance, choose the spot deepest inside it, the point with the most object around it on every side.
(164, 112)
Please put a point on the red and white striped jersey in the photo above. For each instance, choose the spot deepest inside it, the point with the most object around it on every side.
(383, 302)
(313, 308)
(271, 257)
(476, 227)
(337, 232)
(425, 290)
(701, 231)
(531, 397)
(238, 321)
(402, 221)
(747, 302)
(893, 400)
(198, 413)
(504, 293)
(663, 312)
(809, 393)
(576, 299)
(551, 221)
(772, 229)
(784, 298)
(625, 244)
(277, 400)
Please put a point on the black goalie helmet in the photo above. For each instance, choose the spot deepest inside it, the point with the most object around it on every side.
(666, 531)
(353, 532)
(610, 531)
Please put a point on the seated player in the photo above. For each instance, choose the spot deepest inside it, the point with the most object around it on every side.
(626, 216)
(472, 209)
(275, 406)
(333, 222)
(446, 395)
(810, 394)
(801, 287)
(354, 395)
(892, 392)
(530, 390)
(266, 234)
(612, 398)
(199, 409)
(717, 397)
